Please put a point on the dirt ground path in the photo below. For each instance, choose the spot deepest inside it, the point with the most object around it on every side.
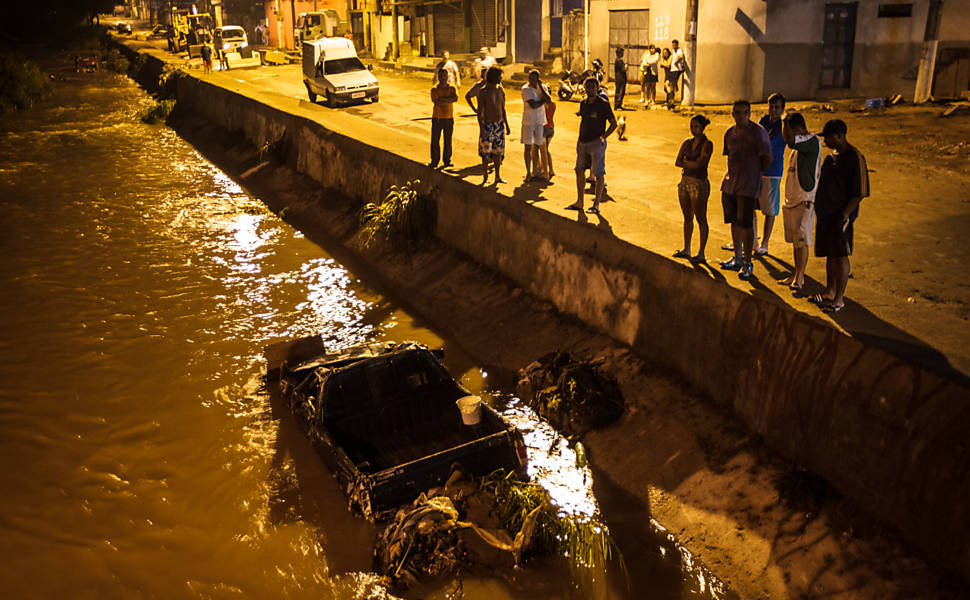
(910, 291)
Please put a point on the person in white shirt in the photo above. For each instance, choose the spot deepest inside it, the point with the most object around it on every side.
(678, 64)
(648, 75)
(446, 64)
(485, 60)
(534, 98)
(804, 164)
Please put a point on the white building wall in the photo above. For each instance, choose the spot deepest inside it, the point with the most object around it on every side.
(752, 48)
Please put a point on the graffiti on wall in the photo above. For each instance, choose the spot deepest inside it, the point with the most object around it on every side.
(661, 28)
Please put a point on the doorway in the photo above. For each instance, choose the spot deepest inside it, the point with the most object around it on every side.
(630, 30)
(838, 42)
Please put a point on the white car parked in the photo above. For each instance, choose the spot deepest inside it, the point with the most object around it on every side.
(331, 69)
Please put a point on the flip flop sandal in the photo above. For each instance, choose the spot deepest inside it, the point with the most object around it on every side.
(574, 207)
(820, 300)
(833, 308)
(794, 287)
(760, 252)
(681, 254)
(593, 210)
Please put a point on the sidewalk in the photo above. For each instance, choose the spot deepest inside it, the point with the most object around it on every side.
(910, 292)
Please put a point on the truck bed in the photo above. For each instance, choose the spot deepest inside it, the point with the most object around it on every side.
(375, 445)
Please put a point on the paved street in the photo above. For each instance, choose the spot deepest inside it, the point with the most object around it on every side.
(910, 290)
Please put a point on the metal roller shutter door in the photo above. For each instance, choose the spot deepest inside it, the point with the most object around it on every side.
(448, 30)
(483, 29)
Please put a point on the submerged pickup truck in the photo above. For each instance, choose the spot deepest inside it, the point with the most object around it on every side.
(386, 418)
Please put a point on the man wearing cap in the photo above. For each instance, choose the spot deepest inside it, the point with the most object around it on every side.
(843, 183)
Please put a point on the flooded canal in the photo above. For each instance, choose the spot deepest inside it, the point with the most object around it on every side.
(139, 454)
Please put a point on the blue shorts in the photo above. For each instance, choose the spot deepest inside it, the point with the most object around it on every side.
(592, 156)
(769, 200)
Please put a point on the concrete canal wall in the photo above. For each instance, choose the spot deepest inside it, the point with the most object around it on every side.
(883, 431)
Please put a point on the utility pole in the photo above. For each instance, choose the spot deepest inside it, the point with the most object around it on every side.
(586, 36)
(395, 51)
(293, 22)
(690, 53)
(927, 61)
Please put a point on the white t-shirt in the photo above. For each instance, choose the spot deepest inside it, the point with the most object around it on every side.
(483, 63)
(649, 63)
(453, 77)
(677, 60)
(532, 116)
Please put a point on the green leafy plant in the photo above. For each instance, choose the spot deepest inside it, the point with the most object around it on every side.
(21, 82)
(168, 80)
(158, 113)
(583, 541)
(403, 219)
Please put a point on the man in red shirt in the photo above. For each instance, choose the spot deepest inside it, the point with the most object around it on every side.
(444, 95)
(749, 153)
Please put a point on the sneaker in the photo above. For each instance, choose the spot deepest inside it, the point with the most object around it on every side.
(732, 265)
(746, 272)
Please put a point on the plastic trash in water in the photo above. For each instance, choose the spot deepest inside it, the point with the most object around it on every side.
(471, 409)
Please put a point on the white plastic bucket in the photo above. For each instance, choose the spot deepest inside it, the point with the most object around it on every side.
(471, 409)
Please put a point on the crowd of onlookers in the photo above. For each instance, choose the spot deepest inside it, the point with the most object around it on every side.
(820, 196)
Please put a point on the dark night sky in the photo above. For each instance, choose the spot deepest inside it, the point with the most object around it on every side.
(18, 17)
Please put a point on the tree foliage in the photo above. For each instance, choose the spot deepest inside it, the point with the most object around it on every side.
(21, 82)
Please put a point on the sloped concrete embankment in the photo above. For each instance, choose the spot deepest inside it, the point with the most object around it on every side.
(881, 430)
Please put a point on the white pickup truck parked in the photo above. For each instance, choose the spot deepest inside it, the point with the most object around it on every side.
(332, 70)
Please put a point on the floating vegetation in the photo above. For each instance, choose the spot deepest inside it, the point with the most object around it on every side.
(158, 113)
(574, 395)
(582, 540)
(403, 219)
(21, 82)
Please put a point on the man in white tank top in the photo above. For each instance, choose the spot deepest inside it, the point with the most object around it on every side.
(801, 183)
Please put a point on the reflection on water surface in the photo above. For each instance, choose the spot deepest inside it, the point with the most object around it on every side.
(140, 453)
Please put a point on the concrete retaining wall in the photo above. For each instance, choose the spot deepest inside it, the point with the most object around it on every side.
(884, 432)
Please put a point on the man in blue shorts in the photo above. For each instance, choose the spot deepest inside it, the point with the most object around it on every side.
(770, 198)
(594, 114)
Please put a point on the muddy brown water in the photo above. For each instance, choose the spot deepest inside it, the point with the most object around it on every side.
(140, 455)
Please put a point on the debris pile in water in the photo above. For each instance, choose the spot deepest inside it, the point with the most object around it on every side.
(426, 539)
(421, 542)
(468, 525)
(573, 395)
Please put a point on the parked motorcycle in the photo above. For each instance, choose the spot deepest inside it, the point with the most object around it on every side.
(571, 82)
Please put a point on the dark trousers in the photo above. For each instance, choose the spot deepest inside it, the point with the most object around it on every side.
(439, 126)
(618, 95)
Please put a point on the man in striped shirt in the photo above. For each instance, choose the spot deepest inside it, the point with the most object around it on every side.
(843, 183)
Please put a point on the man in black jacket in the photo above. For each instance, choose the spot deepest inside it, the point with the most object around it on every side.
(619, 79)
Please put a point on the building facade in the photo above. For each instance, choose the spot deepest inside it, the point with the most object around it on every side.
(801, 48)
